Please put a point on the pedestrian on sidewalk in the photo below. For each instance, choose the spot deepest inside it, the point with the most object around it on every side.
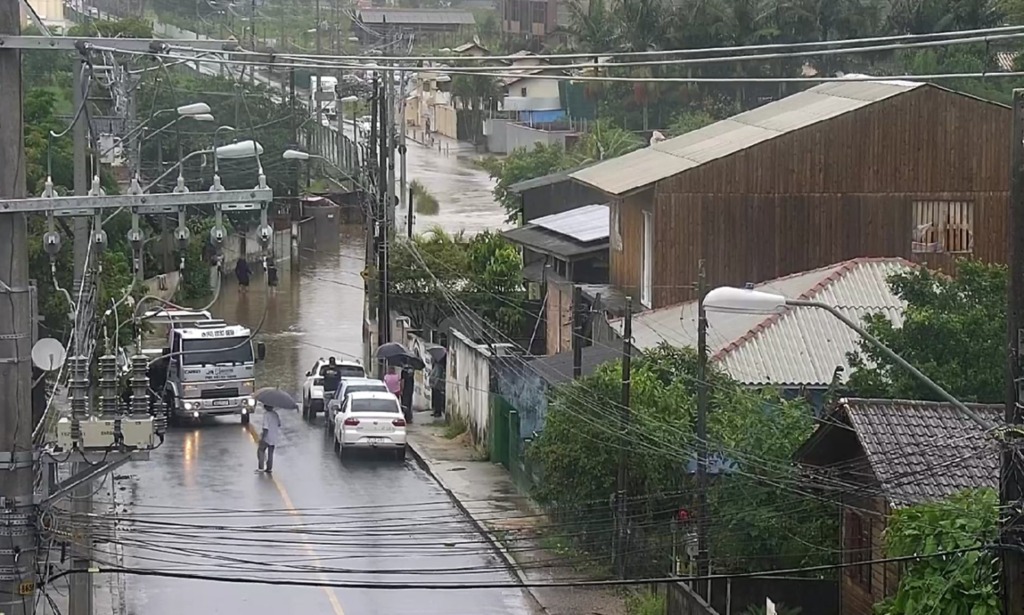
(393, 381)
(269, 439)
(437, 393)
(243, 273)
(406, 393)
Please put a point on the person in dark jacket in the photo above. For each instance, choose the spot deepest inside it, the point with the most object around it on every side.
(437, 392)
(243, 273)
(272, 279)
(406, 397)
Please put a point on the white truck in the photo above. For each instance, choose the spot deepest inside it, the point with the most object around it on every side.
(206, 368)
(325, 95)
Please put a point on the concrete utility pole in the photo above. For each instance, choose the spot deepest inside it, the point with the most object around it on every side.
(17, 472)
(81, 172)
(1011, 483)
(390, 132)
(577, 332)
(402, 190)
(703, 559)
(317, 91)
(383, 216)
(621, 538)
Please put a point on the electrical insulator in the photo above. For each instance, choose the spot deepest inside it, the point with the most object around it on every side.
(217, 235)
(51, 242)
(99, 240)
(182, 235)
(266, 233)
(135, 238)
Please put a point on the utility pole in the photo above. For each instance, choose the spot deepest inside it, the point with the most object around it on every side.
(80, 596)
(390, 132)
(703, 560)
(1011, 483)
(294, 126)
(17, 472)
(621, 541)
(409, 210)
(577, 332)
(319, 89)
(406, 196)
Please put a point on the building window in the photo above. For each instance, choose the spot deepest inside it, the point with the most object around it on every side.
(539, 10)
(943, 227)
(522, 92)
(858, 548)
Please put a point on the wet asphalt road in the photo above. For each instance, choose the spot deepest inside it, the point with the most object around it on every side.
(368, 520)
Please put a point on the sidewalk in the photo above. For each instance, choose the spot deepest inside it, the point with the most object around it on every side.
(510, 521)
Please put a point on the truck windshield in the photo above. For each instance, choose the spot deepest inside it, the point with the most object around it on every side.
(225, 350)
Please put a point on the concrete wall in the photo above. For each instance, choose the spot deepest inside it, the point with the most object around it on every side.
(525, 390)
(521, 135)
(281, 246)
(445, 121)
(469, 383)
(496, 131)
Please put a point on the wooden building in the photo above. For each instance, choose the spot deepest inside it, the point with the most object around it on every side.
(890, 454)
(842, 170)
(553, 194)
(444, 27)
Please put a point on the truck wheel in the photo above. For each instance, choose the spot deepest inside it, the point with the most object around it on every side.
(305, 409)
(245, 419)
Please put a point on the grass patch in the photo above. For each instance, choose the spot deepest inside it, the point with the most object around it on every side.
(645, 603)
(455, 427)
(424, 202)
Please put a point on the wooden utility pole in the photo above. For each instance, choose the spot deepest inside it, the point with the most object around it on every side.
(17, 472)
(577, 332)
(621, 537)
(703, 560)
(1011, 480)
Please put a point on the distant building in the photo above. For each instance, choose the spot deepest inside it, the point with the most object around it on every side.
(529, 18)
(50, 12)
(442, 27)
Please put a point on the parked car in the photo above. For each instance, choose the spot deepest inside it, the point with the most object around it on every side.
(370, 420)
(348, 386)
(313, 387)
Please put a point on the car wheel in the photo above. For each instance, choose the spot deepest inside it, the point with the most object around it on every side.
(341, 450)
(337, 446)
(305, 408)
(400, 454)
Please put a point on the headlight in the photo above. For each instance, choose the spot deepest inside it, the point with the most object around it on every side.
(251, 384)
(251, 402)
(188, 405)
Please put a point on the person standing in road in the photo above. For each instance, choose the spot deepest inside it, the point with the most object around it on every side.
(271, 273)
(269, 439)
(332, 379)
(243, 273)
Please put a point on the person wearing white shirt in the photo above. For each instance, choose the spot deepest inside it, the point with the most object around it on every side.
(269, 439)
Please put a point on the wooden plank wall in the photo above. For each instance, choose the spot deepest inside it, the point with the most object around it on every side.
(625, 265)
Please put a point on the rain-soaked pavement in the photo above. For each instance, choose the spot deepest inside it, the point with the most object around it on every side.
(200, 508)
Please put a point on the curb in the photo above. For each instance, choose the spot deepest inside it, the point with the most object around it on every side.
(502, 551)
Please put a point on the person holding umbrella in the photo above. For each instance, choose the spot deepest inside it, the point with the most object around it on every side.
(270, 435)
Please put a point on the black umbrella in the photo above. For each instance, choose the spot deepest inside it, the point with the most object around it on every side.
(437, 353)
(386, 351)
(275, 398)
(406, 360)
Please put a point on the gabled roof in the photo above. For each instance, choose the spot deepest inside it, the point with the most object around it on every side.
(544, 180)
(798, 347)
(662, 160)
(416, 16)
(919, 451)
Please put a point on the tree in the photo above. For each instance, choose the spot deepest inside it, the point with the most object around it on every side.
(475, 93)
(522, 164)
(603, 141)
(953, 330)
(962, 583)
(434, 268)
(753, 520)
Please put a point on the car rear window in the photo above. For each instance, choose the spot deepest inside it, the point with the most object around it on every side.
(376, 405)
(358, 388)
(352, 372)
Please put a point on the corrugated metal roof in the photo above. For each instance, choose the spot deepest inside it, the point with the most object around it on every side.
(673, 156)
(920, 451)
(548, 242)
(801, 346)
(417, 16)
(585, 224)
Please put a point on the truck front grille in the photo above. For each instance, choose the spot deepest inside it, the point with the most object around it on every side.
(218, 393)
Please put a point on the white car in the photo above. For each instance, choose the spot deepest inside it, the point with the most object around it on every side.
(348, 386)
(313, 387)
(370, 420)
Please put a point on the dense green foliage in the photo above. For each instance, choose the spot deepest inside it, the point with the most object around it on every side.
(757, 522)
(483, 271)
(953, 330)
(522, 164)
(960, 583)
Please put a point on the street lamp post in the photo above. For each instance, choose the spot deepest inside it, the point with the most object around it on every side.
(749, 301)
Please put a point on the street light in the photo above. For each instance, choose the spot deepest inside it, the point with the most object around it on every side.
(729, 300)
(216, 134)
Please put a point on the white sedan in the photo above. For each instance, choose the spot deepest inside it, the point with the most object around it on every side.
(370, 420)
(313, 387)
(348, 386)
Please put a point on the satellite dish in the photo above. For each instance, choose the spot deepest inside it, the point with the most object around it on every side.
(48, 354)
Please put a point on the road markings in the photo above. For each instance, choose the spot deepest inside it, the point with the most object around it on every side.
(292, 510)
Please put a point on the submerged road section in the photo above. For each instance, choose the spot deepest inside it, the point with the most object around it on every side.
(199, 507)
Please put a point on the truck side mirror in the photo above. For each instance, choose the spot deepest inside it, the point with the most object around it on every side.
(261, 351)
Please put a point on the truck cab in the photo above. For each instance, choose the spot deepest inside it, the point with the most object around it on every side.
(207, 365)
